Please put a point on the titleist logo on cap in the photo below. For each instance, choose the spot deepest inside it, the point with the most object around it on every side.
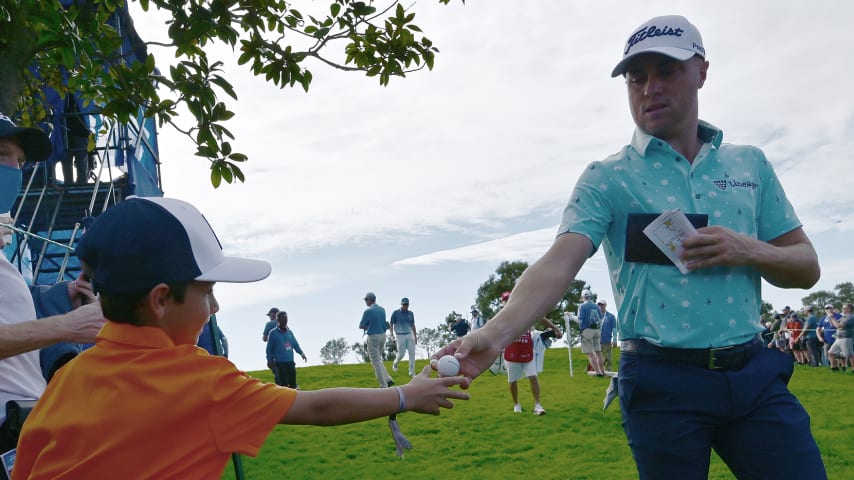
(654, 31)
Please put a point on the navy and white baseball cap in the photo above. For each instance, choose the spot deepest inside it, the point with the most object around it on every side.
(144, 241)
(34, 141)
(671, 35)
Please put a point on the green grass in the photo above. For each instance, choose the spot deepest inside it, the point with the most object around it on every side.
(483, 438)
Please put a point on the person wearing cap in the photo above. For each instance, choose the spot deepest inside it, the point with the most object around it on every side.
(461, 326)
(374, 325)
(589, 322)
(21, 335)
(794, 330)
(609, 334)
(404, 332)
(841, 352)
(693, 373)
(145, 400)
(827, 333)
(524, 358)
(797, 344)
(272, 323)
(280, 352)
(813, 353)
(477, 320)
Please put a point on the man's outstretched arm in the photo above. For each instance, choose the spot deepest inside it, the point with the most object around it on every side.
(535, 294)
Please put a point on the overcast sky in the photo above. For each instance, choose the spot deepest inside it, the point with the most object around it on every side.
(422, 188)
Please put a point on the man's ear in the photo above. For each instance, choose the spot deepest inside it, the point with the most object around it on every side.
(704, 70)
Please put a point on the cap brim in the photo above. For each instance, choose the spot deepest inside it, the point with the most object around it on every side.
(673, 52)
(34, 142)
(237, 270)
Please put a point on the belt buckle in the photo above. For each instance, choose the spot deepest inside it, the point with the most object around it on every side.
(712, 357)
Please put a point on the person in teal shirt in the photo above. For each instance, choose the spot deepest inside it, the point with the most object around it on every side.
(375, 325)
(281, 346)
(693, 373)
(811, 337)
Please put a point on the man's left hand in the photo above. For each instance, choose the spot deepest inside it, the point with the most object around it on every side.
(716, 246)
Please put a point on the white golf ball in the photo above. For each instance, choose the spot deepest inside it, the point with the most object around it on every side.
(449, 366)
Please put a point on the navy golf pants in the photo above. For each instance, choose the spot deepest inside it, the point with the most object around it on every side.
(674, 414)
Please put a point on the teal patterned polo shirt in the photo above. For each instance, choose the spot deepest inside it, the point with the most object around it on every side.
(734, 185)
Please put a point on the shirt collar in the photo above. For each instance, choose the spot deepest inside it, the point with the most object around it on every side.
(706, 132)
(148, 337)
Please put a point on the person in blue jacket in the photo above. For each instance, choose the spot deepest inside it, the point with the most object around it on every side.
(207, 337)
(280, 352)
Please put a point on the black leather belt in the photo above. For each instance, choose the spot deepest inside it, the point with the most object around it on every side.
(722, 358)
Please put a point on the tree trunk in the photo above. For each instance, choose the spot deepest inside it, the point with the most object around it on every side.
(17, 43)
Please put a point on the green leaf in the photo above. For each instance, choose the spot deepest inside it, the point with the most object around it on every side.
(216, 176)
(238, 173)
(224, 85)
(226, 174)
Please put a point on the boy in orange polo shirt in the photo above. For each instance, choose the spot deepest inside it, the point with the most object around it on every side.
(145, 401)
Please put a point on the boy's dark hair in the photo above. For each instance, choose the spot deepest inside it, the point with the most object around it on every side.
(122, 307)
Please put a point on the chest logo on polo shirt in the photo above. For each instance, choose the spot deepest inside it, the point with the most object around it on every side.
(724, 184)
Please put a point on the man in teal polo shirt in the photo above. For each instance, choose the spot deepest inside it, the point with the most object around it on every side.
(693, 374)
(374, 325)
(403, 330)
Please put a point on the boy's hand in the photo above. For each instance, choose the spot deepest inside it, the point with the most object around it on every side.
(426, 395)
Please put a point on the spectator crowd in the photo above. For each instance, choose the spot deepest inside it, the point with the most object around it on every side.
(816, 340)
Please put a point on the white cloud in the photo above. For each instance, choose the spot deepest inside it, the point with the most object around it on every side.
(527, 246)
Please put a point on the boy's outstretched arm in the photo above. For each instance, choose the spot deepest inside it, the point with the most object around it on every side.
(338, 406)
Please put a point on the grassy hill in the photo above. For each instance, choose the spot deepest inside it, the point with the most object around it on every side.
(483, 438)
